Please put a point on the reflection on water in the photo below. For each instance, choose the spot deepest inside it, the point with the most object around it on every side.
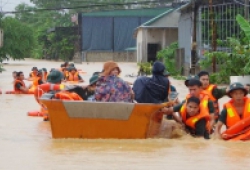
(26, 143)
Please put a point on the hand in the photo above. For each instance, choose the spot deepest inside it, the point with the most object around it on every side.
(166, 110)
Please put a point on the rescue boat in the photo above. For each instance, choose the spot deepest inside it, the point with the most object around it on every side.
(91, 120)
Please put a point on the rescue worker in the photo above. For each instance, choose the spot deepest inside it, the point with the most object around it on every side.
(212, 91)
(87, 92)
(19, 85)
(235, 110)
(33, 73)
(73, 75)
(195, 90)
(195, 118)
(38, 80)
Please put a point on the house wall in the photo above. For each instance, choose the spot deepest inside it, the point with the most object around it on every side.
(171, 19)
(139, 45)
(162, 36)
(185, 36)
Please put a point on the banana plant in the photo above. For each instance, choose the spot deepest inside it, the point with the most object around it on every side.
(244, 25)
(236, 62)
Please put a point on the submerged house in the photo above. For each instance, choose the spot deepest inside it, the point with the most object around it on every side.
(156, 34)
(108, 35)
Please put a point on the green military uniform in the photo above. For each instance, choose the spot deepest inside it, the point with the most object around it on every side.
(232, 87)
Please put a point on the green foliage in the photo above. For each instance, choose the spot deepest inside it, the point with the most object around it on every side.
(244, 25)
(168, 56)
(145, 68)
(18, 39)
(234, 63)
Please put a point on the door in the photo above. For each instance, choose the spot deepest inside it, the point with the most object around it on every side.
(152, 52)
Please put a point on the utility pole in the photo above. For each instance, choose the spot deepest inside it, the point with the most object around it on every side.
(214, 35)
(247, 9)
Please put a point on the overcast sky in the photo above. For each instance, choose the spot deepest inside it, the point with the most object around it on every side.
(9, 5)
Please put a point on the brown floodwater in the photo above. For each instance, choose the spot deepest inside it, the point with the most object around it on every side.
(26, 142)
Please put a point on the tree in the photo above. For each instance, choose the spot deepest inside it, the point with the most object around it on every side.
(18, 39)
(236, 62)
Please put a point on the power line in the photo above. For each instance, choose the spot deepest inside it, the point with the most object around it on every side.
(85, 6)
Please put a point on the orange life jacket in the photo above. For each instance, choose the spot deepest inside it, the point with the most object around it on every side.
(32, 74)
(73, 77)
(202, 95)
(18, 90)
(204, 113)
(34, 84)
(209, 91)
(232, 115)
(65, 95)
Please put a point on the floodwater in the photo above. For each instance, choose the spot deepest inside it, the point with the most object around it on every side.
(26, 142)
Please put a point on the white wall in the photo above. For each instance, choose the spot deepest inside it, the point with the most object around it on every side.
(162, 36)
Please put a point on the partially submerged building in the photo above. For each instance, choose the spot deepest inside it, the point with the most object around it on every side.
(108, 35)
(156, 34)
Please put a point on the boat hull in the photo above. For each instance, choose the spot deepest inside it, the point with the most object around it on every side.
(91, 120)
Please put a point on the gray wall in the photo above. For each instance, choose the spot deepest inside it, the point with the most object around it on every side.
(185, 34)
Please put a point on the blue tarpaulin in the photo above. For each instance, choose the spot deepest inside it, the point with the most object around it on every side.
(109, 33)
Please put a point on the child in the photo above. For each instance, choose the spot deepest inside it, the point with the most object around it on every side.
(194, 117)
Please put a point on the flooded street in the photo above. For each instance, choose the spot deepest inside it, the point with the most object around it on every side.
(26, 142)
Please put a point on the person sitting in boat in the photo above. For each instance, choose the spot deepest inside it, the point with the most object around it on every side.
(19, 85)
(73, 75)
(194, 117)
(235, 110)
(33, 73)
(195, 90)
(87, 92)
(110, 87)
(153, 89)
(98, 73)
